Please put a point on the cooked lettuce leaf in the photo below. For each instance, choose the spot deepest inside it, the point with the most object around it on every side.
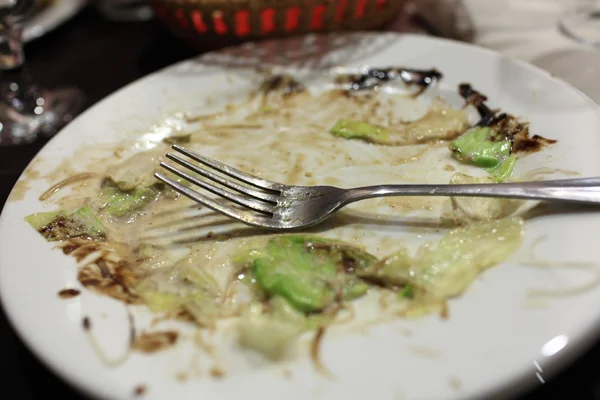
(349, 129)
(482, 146)
(310, 272)
(156, 300)
(181, 285)
(448, 269)
(135, 172)
(503, 170)
(62, 225)
(466, 209)
(267, 333)
(393, 272)
(119, 203)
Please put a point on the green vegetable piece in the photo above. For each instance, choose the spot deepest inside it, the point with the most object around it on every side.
(482, 147)
(408, 292)
(503, 170)
(157, 301)
(200, 278)
(310, 272)
(268, 333)
(463, 253)
(172, 286)
(62, 225)
(41, 219)
(360, 130)
(135, 172)
(120, 203)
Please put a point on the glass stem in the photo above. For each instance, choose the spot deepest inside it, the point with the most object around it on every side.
(16, 87)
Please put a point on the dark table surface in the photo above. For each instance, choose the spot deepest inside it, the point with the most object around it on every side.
(100, 57)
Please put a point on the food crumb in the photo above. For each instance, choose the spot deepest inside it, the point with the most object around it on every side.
(86, 324)
(449, 167)
(405, 332)
(209, 234)
(455, 383)
(181, 376)
(216, 372)
(308, 174)
(155, 341)
(444, 311)
(139, 390)
(424, 351)
(68, 293)
(287, 374)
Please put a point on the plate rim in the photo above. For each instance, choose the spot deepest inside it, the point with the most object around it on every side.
(518, 384)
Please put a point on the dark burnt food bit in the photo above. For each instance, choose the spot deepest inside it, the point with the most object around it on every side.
(86, 324)
(505, 125)
(373, 77)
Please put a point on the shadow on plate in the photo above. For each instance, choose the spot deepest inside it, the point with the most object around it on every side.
(190, 225)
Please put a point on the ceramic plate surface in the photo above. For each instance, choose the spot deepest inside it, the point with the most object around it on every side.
(499, 339)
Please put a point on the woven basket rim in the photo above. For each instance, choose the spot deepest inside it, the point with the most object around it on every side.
(260, 3)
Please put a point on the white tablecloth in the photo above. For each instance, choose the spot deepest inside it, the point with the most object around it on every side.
(528, 29)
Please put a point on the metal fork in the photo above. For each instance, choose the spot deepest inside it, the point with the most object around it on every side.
(275, 206)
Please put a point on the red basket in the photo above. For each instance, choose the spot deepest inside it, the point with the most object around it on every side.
(212, 21)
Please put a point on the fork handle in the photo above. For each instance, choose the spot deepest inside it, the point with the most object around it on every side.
(581, 190)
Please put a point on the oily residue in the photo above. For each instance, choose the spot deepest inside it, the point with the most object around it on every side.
(455, 383)
(68, 293)
(20, 190)
(424, 351)
(155, 341)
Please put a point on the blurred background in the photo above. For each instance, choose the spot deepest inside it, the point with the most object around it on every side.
(76, 52)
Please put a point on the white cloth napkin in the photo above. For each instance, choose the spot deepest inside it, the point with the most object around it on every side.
(528, 30)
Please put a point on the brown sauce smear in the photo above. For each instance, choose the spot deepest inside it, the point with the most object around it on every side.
(155, 341)
(109, 274)
(139, 390)
(68, 293)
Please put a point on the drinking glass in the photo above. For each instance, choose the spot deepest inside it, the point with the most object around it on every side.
(582, 22)
(27, 111)
(125, 10)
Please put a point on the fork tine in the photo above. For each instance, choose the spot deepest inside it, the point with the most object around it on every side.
(233, 172)
(225, 182)
(243, 216)
(243, 201)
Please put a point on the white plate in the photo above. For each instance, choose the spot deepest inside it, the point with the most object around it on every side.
(51, 17)
(495, 341)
